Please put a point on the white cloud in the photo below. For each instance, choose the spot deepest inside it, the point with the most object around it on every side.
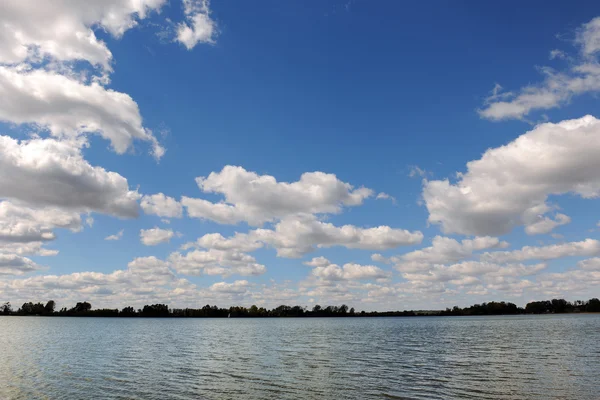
(29, 248)
(216, 262)
(51, 173)
(293, 237)
(154, 236)
(21, 224)
(385, 196)
(325, 270)
(68, 107)
(161, 205)
(241, 242)
(509, 185)
(462, 273)
(443, 250)
(146, 280)
(558, 88)
(585, 248)
(64, 30)
(546, 225)
(591, 264)
(151, 269)
(116, 236)
(199, 27)
(11, 264)
(236, 287)
(257, 199)
(415, 171)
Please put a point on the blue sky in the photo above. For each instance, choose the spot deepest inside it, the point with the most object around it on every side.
(391, 97)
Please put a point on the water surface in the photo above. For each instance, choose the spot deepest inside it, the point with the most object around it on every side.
(517, 357)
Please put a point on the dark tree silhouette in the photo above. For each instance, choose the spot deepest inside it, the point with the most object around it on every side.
(49, 308)
(6, 308)
(84, 309)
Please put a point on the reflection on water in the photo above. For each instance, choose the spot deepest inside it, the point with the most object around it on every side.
(519, 357)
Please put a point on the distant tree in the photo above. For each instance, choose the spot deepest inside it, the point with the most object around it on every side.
(316, 309)
(127, 312)
(82, 307)
(253, 311)
(49, 308)
(6, 308)
(352, 311)
(343, 309)
(593, 305)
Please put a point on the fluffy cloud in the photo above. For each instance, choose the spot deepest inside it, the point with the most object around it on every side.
(325, 270)
(294, 237)
(443, 250)
(509, 185)
(161, 205)
(558, 88)
(154, 236)
(11, 264)
(216, 262)
(63, 30)
(467, 272)
(145, 278)
(257, 199)
(116, 236)
(68, 107)
(546, 225)
(20, 224)
(198, 27)
(591, 264)
(241, 242)
(585, 248)
(236, 287)
(151, 269)
(51, 173)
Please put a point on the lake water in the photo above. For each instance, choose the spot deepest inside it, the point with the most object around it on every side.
(519, 357)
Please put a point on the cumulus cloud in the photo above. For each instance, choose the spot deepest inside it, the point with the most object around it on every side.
(64, 30)
(294, 237)
(558, 87)
(52, 173)
(198, 27)
(385, 196)
(591, 264)
(145, 278)
(236, 287)
(154, 236)
(546, 224)
(12, 264)
(325, 270)
(443, 250)
(67, 107)
(216, 262)
(116, 236)
(257, 199)
(161, 205)
(21, 224)
(467, 272)
(241, 242)
(585, 248)
(509, 185)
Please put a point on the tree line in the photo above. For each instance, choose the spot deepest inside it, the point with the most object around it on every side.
(84, 309)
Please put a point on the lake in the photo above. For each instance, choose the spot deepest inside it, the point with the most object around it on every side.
(513, 357)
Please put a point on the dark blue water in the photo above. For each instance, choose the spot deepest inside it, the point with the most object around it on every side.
(540, 357)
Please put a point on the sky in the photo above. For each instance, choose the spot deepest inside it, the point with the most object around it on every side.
(384, 155)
